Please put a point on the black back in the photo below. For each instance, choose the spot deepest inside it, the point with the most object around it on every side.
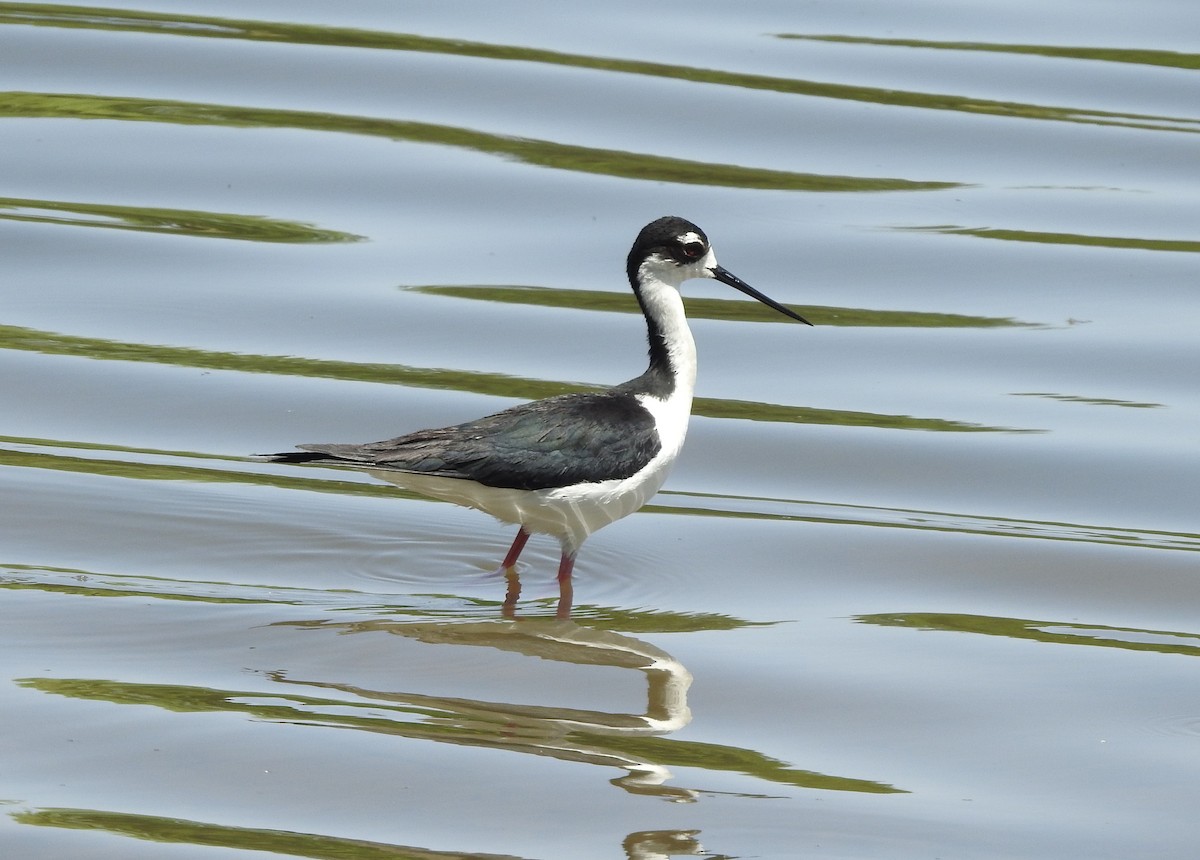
(570, 439)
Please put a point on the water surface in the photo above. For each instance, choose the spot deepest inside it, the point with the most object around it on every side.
(922, 583)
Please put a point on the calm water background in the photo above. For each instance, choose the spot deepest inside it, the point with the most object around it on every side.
(929, 568)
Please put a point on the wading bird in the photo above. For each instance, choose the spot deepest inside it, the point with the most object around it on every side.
(568, 465)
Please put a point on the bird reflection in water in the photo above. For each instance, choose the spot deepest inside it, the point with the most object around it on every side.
(611, 739)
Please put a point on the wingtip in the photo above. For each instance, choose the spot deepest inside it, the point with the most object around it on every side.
(291, 457)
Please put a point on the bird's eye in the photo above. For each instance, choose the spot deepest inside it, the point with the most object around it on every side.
(693, 250)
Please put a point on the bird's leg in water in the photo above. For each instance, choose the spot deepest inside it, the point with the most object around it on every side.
(512, 594)
(509, 568)
(566, 590)
(514, 551)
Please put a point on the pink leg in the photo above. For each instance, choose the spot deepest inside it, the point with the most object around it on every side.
(566, 590)
(566, 566)
(514, 551)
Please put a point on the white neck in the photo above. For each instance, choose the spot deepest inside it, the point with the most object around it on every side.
(664, 307)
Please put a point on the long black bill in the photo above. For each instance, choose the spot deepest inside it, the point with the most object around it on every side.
(727, 277)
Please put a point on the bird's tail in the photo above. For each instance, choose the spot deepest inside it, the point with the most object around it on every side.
(295, 457)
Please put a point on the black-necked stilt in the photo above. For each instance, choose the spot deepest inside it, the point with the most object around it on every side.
(568, 465)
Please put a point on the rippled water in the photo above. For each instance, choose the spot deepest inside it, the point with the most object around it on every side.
(921, 584)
